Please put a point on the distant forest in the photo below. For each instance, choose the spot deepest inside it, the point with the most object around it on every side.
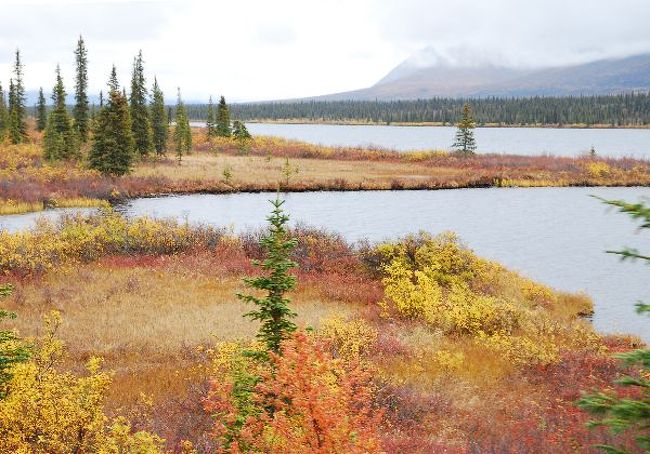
(614, 110)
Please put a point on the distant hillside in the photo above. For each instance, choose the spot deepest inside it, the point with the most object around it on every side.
(410, 81)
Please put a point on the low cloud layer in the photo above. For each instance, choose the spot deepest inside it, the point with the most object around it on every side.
(255, 49)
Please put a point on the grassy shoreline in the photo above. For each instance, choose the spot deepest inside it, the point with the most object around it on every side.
(308, 121)
(28, 183)
(154, 298)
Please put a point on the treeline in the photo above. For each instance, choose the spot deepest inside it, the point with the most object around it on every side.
(110, 137)
(631, 109)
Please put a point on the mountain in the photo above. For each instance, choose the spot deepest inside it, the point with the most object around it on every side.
(414, 79)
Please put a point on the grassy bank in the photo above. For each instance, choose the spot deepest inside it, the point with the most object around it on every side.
(28, 183)
(310, 121)
(466, 355)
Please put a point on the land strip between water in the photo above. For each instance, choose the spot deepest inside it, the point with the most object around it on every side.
(28, 182)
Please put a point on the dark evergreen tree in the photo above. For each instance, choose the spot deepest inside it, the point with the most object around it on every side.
(465, 141)
(4, 115)
(112, 152)
(210, 125)
(223, 119)
(60, 139)
(630, 411)
(239, 131)
(12, 349)
(81, 106)
(273, 311)
(101, 99)
(141, 124)
(159, 121)
(41, 111)
(182, 131)
(17, 124)
(13, 124)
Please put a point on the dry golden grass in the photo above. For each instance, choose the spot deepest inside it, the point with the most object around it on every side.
(148, 320)
(208, 168)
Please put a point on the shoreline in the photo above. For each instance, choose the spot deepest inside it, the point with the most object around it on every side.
(306, 121)
(113, 202)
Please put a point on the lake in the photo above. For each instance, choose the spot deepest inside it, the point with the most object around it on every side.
(526, 141)
(554, 235)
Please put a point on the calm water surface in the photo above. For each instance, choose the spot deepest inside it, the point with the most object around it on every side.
(526, 141)
(555, 235)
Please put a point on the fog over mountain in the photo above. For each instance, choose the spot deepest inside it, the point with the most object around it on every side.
(429, 74)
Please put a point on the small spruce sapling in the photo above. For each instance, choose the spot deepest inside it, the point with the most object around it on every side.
(273, 311)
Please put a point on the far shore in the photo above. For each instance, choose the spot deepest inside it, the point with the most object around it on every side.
(307, 121)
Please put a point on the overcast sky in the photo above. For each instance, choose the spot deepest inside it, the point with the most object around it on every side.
(270, 49)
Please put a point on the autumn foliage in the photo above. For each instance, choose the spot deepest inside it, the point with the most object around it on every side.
(303, 401)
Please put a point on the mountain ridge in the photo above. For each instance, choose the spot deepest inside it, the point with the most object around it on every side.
(599, 77)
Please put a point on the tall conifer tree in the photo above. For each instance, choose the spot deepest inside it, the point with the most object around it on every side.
(4, 115)
(60, 139)
(17, 125)
(81, 110)
(223, 119)
(41, 111)
(465, 141)
(141, 124)
(210, 125)
(182, 131)
(13, 128)
(113, 146)
(159, 121)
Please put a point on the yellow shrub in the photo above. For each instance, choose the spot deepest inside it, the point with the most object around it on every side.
(45, 410)
(352, 338)
(521, 349)
(597, 169)
(538, 294)
(469, 313)
(88, 238)
(413, 294)
(449, 361)
(417, 295)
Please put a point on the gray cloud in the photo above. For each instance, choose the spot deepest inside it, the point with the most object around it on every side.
(275, 34)
(529, 33)
(257, 49)
(43, 29)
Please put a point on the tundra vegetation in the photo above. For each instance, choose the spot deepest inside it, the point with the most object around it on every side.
(119, 150)
(126, 335)
(413, 345)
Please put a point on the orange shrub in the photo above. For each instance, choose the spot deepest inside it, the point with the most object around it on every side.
(305, 401)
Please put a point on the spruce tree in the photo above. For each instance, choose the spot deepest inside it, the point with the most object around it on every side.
(112, 152)
(81, 107)
(60, 139)
(159, 121)
(41, 111)
(223, 119)
(12, 349)
(210, 125)
(182, 131)
(4, 115)
(465, 141)
(140, 122)
(239, 131)
(273, 311)
(627, 411)
(13, 124)
(17, 125)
